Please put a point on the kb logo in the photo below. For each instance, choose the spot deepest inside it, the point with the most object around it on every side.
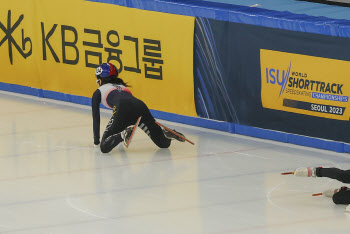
(11, 41)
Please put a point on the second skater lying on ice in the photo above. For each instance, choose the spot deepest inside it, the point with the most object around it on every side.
(339, 195)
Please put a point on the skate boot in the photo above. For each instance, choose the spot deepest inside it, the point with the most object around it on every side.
(172, 136)
(126, 134)
(305, 172)
(330, 192)
(347, 209)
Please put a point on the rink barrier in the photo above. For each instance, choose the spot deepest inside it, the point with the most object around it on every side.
(231, 13)
(283, 137)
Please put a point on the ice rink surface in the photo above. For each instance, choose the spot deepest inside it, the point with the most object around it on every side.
(54, 181)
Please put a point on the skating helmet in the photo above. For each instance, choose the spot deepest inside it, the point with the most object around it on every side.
(106, 70)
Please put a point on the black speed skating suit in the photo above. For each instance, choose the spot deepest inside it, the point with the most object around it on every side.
(126, 110)
(343, 195)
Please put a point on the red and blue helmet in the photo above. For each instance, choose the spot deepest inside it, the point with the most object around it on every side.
(106, 70)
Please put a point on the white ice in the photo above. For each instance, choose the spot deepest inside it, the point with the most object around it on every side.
(54, 181)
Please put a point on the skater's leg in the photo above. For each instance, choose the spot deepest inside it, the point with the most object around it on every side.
(112, 135)
(110, 141)
(119, 121)
(149, 126)
(334, 173)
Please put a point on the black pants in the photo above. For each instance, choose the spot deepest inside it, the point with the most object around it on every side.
(125, 113)
(343, 196)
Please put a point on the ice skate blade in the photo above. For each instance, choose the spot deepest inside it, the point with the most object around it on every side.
(175, 133)
(133, 132)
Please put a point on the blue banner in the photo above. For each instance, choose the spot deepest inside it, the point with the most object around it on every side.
(228, 78)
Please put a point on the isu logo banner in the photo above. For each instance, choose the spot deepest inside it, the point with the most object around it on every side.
(305, 84)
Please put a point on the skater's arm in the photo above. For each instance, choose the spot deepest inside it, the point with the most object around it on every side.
(95, 104)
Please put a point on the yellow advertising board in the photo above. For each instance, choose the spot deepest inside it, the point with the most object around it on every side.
(56, 45)
(305, 84)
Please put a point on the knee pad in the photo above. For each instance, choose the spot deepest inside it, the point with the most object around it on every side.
(104, 148)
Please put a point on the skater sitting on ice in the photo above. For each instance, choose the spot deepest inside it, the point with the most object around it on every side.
(113, 93)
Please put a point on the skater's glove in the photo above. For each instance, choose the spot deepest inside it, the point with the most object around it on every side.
(96, 140)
